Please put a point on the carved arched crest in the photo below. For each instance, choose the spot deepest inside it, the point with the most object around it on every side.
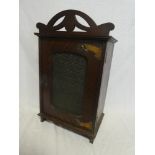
(70, 22)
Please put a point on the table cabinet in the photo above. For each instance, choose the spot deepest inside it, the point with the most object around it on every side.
(72, 65)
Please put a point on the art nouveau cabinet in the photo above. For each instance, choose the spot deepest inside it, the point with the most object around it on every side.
(72, 65)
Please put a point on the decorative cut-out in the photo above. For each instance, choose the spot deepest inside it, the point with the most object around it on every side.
(82, 21)
(78, 30)
(71, 19)
(62, 30)
(59, 21)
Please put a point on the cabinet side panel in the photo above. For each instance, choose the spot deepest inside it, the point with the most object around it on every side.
(105, 78)
(40, 76)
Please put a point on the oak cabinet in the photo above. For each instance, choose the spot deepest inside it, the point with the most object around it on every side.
(72, 65)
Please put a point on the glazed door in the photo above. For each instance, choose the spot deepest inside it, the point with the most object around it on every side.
(69, 75)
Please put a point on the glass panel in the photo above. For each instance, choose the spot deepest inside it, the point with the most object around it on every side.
(68, 82)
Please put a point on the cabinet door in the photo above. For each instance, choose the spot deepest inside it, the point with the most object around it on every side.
(69, 75)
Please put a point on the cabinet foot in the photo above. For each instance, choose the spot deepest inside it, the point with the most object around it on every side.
(42, 119)
(91, 140)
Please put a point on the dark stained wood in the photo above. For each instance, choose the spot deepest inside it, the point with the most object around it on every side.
(70, 22)
(96, 46)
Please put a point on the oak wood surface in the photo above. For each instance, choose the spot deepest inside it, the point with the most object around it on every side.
(92, 45)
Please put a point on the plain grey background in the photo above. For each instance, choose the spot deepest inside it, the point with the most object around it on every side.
(116, 134)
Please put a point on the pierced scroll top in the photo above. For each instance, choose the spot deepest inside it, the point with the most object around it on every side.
(70, 22)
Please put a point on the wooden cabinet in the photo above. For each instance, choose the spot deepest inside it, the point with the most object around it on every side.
(71, 66)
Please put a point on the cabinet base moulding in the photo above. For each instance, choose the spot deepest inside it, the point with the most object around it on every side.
(86, 133)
